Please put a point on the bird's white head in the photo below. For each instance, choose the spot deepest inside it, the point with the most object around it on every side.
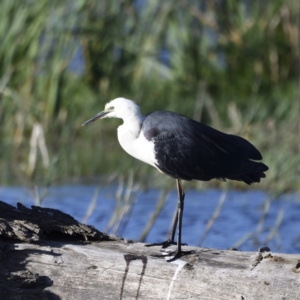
(118, 108)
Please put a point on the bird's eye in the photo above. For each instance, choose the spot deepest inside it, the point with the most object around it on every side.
(111, 108)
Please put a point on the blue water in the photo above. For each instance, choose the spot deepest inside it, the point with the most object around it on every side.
(239, 215)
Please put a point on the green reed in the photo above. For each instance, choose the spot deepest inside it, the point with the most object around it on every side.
(228, 64)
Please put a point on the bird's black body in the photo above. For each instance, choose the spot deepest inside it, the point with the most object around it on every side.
(186, 149)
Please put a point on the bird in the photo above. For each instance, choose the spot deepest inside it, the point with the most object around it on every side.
(183, 149)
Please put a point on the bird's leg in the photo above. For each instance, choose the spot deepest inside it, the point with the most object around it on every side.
(171, 239)
(180, 208)
(181, 196)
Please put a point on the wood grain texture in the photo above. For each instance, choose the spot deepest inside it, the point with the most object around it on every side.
(71, 267)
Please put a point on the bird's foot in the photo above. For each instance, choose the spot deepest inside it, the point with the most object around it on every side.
(165, 244)
(175, 253)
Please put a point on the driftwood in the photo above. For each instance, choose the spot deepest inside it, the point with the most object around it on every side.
(46, 254)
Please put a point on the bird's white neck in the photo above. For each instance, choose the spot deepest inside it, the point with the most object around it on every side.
(132, 124)
(133, 141)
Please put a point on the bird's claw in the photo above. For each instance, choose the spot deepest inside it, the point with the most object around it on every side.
(175, 253)
(165, 244)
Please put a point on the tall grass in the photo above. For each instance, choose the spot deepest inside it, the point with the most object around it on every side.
(232, 64)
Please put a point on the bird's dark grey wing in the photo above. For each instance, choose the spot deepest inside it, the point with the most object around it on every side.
(189, 150)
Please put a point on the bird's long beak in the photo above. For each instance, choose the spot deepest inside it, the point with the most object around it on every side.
(98, 116)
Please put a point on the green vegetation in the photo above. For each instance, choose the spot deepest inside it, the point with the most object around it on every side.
(231, 64)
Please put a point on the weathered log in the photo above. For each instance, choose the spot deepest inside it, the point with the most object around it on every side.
(46, 254)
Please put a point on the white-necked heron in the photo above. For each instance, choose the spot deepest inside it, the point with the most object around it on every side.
(183, 149)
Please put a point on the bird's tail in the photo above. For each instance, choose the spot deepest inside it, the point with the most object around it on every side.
(249, 172)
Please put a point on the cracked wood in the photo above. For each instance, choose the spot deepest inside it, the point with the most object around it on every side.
(62, 264)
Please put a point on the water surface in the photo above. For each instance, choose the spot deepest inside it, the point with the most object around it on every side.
(239, 216)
